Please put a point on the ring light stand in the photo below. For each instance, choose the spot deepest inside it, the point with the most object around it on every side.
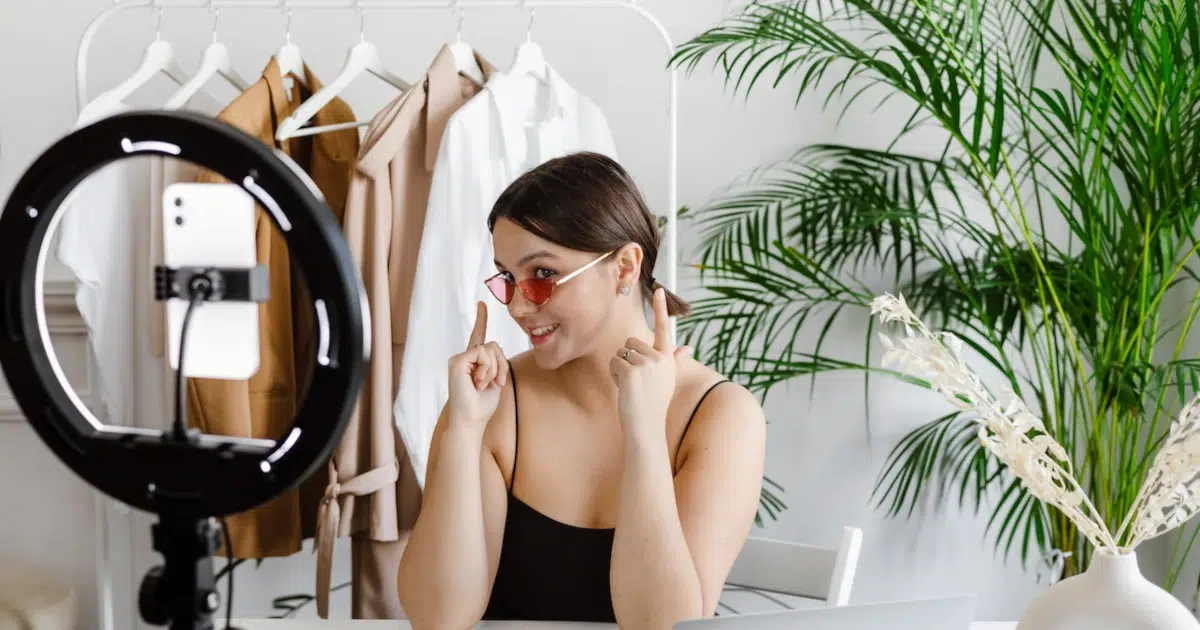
(187, 480)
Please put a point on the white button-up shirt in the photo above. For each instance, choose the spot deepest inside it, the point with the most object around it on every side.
(514, 124)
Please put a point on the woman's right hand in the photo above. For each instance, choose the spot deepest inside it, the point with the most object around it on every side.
(476, 377)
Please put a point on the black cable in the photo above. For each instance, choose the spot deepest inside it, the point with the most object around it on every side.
(761, 593)
(200, 288)
(228, 576)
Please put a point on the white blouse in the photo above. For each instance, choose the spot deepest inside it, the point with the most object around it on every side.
(511, 126)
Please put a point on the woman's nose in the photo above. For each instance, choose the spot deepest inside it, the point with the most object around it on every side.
(520, 306)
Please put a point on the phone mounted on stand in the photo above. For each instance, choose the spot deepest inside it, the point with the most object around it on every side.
(183, 590)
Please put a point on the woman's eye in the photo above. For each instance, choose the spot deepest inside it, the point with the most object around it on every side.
(506, 275)
(542, 273)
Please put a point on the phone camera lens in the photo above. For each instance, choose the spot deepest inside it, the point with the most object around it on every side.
(178, 201)
(179, 220)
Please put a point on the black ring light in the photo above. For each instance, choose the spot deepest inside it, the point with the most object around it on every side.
(207, 476)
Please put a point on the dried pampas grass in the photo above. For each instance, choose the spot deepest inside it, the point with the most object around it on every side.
(1168, 498)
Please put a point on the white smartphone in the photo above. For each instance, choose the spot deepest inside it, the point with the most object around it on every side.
(211, 225)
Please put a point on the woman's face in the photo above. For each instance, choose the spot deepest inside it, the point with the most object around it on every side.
(565, 327)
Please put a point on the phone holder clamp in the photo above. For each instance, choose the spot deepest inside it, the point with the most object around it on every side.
(221, 284)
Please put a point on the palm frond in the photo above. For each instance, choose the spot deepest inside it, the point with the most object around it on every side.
(1047, 227)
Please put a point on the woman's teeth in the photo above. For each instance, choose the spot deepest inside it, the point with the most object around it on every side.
(544, 330)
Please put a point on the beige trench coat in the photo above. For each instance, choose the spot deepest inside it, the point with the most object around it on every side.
(373, 494)
(265, 405)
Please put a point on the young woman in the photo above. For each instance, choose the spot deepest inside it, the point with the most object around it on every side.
(603, 475)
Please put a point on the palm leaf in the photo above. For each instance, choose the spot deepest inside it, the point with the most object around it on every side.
(1047, 227)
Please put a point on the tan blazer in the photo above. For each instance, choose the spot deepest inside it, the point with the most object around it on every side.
(373, 493)
(265, 405)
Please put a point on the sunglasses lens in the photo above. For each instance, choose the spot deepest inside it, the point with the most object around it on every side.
(500, 287)
(537, 290)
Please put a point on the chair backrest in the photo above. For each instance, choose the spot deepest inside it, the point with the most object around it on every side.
(776, 566)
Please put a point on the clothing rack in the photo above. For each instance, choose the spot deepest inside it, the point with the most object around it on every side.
(671, 249)
(82, 95)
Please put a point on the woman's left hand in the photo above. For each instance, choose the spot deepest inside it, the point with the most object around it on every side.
(645, 376)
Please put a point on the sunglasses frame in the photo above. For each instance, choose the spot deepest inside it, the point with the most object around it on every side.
(517, 284)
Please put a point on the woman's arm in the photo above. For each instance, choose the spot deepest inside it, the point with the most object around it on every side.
(450, 561)
(676, 539)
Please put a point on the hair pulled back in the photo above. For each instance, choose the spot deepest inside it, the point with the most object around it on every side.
(586, 202)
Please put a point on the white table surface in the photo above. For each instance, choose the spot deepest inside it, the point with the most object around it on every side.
(334, 624)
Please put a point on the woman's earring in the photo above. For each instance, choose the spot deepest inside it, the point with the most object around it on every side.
(624, 289)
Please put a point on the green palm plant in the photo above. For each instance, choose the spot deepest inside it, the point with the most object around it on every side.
(1051, 228)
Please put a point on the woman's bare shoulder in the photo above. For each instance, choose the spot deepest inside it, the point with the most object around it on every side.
(501, 430)
(721, 396)
(523, 363)
(694, 377)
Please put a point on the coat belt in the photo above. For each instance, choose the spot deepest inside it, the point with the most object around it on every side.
(329, 517)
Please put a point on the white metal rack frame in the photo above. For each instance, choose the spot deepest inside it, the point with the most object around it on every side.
(82, 95)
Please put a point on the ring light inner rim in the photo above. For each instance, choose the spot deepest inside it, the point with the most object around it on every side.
(159, 148)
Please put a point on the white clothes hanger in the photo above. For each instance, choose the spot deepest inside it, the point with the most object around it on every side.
(464, 56)
(158, 58)
(529, 59)
(364, 57)
(291, 63)
(214, 62)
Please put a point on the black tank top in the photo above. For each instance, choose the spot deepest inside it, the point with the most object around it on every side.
(549, 570)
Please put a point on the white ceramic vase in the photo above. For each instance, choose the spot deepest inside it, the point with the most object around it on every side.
(1111, 595)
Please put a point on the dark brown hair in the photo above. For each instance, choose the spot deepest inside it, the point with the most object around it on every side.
(586, 202)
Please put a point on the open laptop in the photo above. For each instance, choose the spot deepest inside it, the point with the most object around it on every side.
(938, 613)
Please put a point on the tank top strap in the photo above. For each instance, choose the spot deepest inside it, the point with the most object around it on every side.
(692, 417)
(512, 478)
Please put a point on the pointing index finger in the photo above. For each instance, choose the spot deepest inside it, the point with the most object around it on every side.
(480, 331)
(662, 322)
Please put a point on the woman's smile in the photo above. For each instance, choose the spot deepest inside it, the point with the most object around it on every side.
(541, 334)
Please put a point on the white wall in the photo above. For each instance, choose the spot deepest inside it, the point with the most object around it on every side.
(48, 523)
(817, 446)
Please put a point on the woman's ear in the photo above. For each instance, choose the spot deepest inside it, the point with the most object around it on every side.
(629, 265)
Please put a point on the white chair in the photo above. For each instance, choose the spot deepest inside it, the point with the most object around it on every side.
(768, 567)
